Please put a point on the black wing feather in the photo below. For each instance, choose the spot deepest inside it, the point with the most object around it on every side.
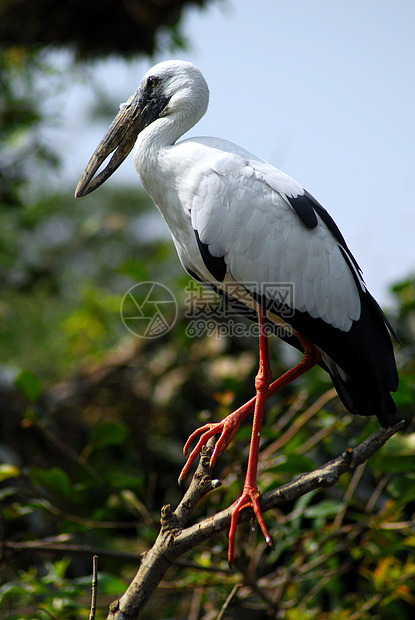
(215, 264)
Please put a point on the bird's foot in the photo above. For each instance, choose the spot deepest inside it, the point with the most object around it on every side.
(248, 499)
(226, 429)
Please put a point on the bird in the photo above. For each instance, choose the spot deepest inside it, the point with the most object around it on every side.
(264, 244)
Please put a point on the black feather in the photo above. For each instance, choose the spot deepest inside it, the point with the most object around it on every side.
(304, 209)
(215, 264)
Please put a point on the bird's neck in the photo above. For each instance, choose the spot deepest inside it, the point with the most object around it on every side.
(151, 145)
(152, 141)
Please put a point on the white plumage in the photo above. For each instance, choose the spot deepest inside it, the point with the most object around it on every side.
(221, 202)
(240, 225)
(237, 203)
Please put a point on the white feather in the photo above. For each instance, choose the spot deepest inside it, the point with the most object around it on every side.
(238, 205)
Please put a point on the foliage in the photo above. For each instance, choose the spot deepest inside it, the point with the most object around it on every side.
(22, 148)
(93, 460)
(94, 420)
(63, 263)
(115, 27)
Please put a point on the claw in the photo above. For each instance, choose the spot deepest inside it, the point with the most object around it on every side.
(248, 499)
(196, 450)
(199, 431)
(226, 429)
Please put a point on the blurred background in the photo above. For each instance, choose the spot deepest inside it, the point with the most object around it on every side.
(93, 418)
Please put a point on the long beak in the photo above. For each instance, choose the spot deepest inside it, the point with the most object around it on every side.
(120, 137)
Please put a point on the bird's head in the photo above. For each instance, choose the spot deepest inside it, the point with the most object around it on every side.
(175, 89)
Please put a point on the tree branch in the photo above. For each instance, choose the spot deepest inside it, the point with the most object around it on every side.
(173, 540)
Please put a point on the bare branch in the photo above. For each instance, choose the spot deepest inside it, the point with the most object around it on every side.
(173, 540)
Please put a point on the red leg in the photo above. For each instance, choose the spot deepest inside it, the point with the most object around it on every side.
(227, 428)
(250, 493)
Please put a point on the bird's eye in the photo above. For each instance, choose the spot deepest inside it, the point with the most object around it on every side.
(152, 82)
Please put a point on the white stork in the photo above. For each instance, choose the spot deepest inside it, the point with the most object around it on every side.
(239, 225)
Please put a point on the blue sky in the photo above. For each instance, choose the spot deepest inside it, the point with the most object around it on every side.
(323, 90)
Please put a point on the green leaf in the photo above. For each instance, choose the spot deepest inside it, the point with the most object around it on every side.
(400, 444)
(395, 463)
(397, 455)
(300, 505)
(8, 471)
(323, 509)
(29, 385)
(110, 585)
(121, 480)
(54, 479)
(10, 592)
(108, 434)
(405, 394)
(293, 464)
(402, 488)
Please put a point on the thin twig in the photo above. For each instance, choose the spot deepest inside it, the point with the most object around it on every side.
(228, 600)
(376, 493)
(299, 422)
(348, 496)
(94, 587)
(195, 603)
(61, 446)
